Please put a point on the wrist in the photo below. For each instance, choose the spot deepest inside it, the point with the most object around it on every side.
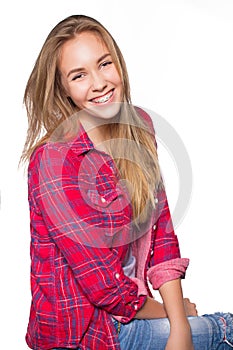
(180, 325)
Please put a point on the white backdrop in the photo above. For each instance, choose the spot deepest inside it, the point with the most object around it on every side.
(179, 56)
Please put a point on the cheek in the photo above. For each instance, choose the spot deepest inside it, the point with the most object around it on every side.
(119, 84)
(113, 76)
(116, 77)
(78, 92)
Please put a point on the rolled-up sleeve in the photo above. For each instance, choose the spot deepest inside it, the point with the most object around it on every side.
(165, 262)
(167, 271)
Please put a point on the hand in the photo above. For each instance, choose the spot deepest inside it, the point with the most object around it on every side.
(190, 308)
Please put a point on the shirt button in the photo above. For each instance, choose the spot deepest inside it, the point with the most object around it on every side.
(156, 200)
(135, 307)
(152, 252)
(103, 200)
(154, 227)
(117, 275)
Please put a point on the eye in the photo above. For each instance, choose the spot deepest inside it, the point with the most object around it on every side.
(78, 76)
(105, 63)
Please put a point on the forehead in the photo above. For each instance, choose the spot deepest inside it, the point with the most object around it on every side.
(84, 47)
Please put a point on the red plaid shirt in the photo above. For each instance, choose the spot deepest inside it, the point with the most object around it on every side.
(80, 229)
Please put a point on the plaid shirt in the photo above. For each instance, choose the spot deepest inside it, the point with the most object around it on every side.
(80, 227)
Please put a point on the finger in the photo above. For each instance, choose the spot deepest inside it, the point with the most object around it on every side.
(186, 300)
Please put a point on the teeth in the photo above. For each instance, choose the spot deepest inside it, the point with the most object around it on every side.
(104, 98)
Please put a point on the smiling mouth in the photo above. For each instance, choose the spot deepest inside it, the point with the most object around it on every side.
(103, 99)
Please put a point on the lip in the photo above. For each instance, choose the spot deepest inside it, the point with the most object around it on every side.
(93, 100)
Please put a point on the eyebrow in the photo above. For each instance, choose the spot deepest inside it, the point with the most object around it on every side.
(75, 70)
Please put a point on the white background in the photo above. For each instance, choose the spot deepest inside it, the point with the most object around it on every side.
(180, 61)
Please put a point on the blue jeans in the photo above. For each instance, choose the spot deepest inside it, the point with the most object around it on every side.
(209, 332)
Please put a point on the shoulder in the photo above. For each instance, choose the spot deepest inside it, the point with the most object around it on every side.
(146, 118)
(50, 155)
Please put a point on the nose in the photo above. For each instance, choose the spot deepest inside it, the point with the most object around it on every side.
(98, 82)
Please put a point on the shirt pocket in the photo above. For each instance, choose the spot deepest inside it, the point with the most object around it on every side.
(114, 212)
(104, 200)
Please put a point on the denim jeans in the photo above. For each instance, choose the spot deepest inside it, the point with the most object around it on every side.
(209, 332)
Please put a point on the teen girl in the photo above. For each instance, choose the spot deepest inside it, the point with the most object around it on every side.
(100, 222)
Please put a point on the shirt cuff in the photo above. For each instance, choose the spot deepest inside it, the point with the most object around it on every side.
(137, 305)
(167, 271)
(141, 286)
(142, 293)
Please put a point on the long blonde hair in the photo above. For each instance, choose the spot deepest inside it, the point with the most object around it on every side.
(47, 107)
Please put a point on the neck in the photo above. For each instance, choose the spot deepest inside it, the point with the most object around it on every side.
(96, 129)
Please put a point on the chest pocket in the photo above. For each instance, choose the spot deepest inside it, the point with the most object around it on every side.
(112, 217)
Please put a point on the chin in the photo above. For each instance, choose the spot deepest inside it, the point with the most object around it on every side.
(105, 111)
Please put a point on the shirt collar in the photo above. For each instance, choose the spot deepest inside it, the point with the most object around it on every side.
(82, 143)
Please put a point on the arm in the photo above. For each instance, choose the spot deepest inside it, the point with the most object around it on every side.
(165, 262)
(180, 334)
(166, 268)
(151, 309)
(165, 273)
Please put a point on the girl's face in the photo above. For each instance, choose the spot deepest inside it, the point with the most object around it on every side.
(90, 77)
